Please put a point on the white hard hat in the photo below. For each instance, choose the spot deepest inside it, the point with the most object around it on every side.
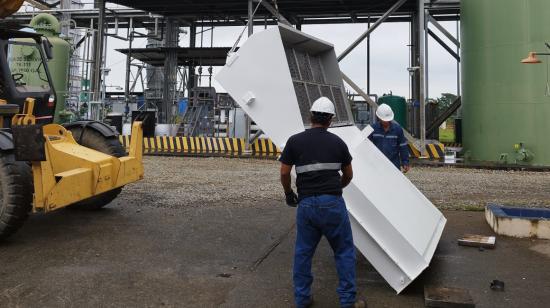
(384, 113)
(324, 105)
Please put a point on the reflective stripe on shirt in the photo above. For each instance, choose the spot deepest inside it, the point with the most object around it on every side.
(385, 136)
(318, 167)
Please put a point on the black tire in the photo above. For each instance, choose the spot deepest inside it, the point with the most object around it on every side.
(109, 145)
(16, 190)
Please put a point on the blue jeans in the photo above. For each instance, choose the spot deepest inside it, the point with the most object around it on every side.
(317, 216)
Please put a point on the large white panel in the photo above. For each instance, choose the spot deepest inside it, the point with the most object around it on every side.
(394, 225)
(258, 69)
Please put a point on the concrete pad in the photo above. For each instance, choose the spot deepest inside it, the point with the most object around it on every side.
(519, 222)
(163, 257)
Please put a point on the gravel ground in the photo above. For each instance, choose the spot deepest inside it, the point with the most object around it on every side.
(184, 182)
(176, 182)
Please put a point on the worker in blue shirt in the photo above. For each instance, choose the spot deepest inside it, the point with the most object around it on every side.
(389, 138)
(319, 156)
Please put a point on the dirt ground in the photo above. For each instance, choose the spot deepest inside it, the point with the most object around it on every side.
(214, 232)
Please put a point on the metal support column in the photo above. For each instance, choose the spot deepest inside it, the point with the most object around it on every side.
(247, 118)
(170, 71)
(128, 68)
(98, 51)
(414, 71)
(422, 73)
(65, 17)
(192, 44)
(273, 10)
(458, 63)
(368, 59)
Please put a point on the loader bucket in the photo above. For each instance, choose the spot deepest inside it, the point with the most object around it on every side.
(274, 77)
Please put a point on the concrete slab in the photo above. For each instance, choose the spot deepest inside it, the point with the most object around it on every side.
(234, 255)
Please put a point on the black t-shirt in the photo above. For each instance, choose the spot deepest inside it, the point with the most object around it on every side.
(318, 156)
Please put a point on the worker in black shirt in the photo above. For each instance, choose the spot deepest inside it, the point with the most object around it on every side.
(319, 156)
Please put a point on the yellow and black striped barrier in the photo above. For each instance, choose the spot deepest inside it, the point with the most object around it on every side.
(204, 146)
(434, 151)
(224, 146)
(452, 145)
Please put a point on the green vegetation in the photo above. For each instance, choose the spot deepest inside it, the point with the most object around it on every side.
(447, 135)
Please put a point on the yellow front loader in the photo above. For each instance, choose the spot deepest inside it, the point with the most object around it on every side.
(46, 166)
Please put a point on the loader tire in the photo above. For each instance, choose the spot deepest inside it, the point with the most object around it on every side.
(109, 145)
(16, 190)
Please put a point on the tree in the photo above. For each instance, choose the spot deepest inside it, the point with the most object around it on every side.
(445, 101)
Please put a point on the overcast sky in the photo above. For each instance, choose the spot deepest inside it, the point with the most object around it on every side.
(389, 56)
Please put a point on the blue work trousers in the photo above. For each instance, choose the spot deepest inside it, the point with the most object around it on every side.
(317, 216)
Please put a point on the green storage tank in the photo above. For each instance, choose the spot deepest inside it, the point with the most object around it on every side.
(399, 106)
(505, 106)
(25, 57)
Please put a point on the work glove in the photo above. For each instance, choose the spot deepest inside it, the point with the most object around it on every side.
(291, 199)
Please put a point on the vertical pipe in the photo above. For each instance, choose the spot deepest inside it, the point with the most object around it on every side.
(101, 113)
(426, 58)
(247, 118)
(82, 71)
(98, 50)
(368, 57)
(250, 18)
(422, 73)
(458, 62)
(415, 76)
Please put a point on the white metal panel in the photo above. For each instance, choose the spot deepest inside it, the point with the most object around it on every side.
(259, 68)
(382, 188)
(394, 225)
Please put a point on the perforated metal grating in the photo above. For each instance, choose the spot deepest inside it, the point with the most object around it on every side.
(310, 83)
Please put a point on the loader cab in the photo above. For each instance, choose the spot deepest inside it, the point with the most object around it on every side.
(24, 73)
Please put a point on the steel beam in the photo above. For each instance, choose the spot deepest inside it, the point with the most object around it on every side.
(363, 36)
(414, 74)
(170, 70)
(443, 30)
(444, 45)
(368, 59)
(41, 5)
(128, 69)
(372, 103)
(422, 73)
(98, 51)
(247, 120)
(444, 115)
(256, 136)
(192, 44)
(274, 12)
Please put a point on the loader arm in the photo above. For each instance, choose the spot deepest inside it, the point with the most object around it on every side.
(72, 173)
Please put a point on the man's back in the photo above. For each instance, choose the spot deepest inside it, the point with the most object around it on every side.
(318, 156)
